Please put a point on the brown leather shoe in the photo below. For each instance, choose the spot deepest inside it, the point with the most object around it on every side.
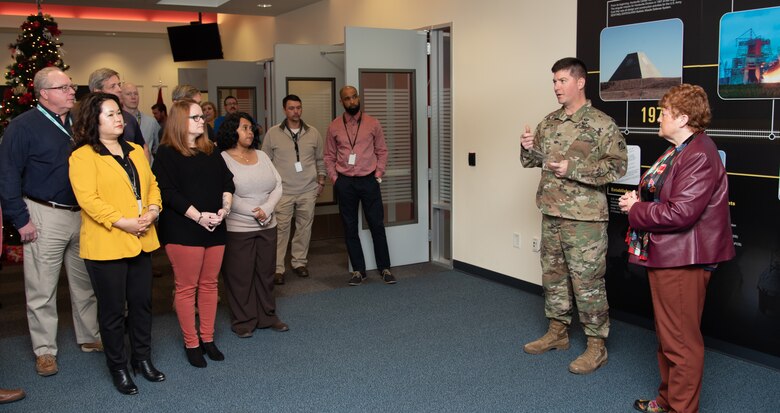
(46, 365)
(280, 327)
(243, 333)
(8, 396)
(92, 347)
(278, 278)
(301, 271)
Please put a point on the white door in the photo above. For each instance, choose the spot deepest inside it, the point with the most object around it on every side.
(389, 69)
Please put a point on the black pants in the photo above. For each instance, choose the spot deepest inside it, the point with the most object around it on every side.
(351, 192)
(114, 282)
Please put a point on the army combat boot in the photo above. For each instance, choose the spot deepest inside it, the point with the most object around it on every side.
(557, 337)
(594, 357)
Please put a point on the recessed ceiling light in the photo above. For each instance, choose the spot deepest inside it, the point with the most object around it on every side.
(264, 5)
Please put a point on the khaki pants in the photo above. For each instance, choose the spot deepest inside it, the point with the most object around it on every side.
(301, 206)
(57, 243)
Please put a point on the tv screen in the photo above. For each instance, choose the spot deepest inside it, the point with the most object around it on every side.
(195, 42)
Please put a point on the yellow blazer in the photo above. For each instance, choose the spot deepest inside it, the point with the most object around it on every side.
(105, 195)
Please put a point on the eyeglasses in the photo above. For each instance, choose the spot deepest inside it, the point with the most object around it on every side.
(63, 88)
(197, 118)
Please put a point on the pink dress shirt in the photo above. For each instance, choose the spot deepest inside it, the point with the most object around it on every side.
(360, 134)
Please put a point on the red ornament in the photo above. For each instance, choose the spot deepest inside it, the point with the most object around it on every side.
(25, 99)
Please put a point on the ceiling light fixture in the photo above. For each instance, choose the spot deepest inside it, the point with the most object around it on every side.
(264, 5)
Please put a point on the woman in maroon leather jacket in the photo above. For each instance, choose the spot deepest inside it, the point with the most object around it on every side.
(680, 230)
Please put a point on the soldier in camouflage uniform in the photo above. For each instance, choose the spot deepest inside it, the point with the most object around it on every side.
(580, 150)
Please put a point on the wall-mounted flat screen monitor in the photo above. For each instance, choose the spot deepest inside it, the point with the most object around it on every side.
(195, 42)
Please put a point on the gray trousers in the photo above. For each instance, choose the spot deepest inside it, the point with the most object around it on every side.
(57, 243)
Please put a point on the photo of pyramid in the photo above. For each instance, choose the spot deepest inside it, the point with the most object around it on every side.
(632, 68)
(636, 78)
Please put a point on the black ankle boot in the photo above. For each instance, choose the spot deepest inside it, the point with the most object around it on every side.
(212, 351)
(147, 370)
(123, 382)
(195, 356)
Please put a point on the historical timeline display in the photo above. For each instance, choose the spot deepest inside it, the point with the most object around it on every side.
(635, 50)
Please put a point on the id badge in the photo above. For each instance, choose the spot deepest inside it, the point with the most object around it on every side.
(352, 158)
(298, 167)
(140, 207)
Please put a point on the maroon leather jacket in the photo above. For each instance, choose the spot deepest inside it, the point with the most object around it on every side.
(691, 223)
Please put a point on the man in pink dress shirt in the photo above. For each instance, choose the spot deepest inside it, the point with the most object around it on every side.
(355, 159)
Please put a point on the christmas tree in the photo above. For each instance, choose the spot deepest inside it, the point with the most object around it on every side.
(38, 46)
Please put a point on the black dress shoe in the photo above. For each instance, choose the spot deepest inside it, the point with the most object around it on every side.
(123, 382)
(147, 370)
(302, 271)
(212, 351)
(195, 356)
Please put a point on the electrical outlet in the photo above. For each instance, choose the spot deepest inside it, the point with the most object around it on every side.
(516, 240)
(536, 244)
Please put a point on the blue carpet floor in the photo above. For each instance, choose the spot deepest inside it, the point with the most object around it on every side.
(446, 342)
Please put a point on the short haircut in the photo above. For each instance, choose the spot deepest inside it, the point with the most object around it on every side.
(161, 107)
(99, 76)
(341, 91)
(288, 98)
(224, 101)
(177, 128)
(184, 92)
(209, 103)
(689, 100)
(86, 127)
(576, 67)
(227, 135)
(41, 79)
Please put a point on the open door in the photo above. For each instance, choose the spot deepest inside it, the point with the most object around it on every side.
(389, 69)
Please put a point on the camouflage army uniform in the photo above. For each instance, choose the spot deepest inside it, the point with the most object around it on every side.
(575, 215)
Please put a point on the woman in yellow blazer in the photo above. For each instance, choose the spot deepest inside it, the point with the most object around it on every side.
(119, 201)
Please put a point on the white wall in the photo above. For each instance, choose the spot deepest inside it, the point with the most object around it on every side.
(502, 54)
(141, 59)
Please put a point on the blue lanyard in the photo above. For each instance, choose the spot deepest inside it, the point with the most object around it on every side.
(54, 121)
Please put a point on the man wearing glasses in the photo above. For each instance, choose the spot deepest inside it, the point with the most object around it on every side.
(231, 106)
(107, 81)
(38, 200)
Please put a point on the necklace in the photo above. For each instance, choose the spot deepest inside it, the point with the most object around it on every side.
(242, 157)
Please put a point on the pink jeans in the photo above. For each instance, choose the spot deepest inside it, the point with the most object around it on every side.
(195, 270)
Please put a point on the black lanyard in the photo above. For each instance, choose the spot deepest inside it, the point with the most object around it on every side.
(351, 142)
(295, 141)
